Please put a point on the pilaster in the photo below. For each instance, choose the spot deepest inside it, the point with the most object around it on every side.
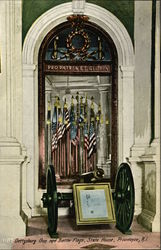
(11, 154)
(145, 156)
(30, 121)
(126, 111)
(103, 150)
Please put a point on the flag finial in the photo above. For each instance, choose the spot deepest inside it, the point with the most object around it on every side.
(92, 104)
(58, 102)
(65, 104)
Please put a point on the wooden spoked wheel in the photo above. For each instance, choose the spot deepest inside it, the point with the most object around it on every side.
(124, 198)
(52, 206)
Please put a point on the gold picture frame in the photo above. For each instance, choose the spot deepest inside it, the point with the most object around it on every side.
(93, 203)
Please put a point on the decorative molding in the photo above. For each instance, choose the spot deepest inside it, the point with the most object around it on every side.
(146, 219)
(12, 152)
(127, 71)
(11, 160)
(29, 70)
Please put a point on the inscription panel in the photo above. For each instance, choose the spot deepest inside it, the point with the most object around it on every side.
(68, 69)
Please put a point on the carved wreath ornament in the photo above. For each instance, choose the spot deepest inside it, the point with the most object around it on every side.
(81, 37)
(77, 41)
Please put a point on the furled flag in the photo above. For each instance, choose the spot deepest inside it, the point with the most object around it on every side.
(98, 115)
(81, 114)
(66, 120)
(92, 135)
(99, 121)
(59, 130)
(73, 127)
(85, 132)
(49, 113)
(54, 118)
(54, 127)
(54, 142)
(63, 124)
(75, 140)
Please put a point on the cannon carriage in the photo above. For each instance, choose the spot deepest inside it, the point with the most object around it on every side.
(123, 196)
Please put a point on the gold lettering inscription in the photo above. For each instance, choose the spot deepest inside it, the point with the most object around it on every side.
(78, 68)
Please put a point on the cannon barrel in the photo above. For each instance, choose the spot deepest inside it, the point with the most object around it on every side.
(92, 176)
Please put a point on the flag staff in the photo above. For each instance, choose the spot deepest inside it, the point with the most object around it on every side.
(48, 131)
(85, 132)
(72, 134)
(77, 147)
(81, 122)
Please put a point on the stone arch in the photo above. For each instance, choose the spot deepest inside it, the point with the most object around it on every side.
(118, 33)
(102, 17)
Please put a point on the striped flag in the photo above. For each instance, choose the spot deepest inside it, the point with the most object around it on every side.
(86, 141)
(92, 134)
(54, 142)
(63, 124)
(75, 141)
(85, 132)
(92, 141)
(66, 119)
(59, 132)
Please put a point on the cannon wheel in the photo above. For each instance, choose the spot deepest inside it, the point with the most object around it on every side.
(124, 198)
(52, 207)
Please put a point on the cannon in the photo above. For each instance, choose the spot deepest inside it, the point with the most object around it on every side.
(123, 196)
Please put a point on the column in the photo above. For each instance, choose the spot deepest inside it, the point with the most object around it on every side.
(103, 147)
(142, 86)
(48, 100)
(142, 95)
(150, 215)
(29, 123)
(12, 154)
(156, 143)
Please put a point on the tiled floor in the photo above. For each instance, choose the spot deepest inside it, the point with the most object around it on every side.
(89, 237)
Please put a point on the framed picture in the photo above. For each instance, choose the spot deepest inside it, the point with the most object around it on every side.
(93, 203)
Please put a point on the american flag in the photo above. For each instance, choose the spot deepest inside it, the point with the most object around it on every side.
(54, 144)
(67, 121)
(86, 139)
(59, 131)
(92, 140)
(75, 141)
(63, 129)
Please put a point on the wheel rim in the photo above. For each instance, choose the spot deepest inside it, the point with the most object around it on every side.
(124, 198)
(52, 201)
